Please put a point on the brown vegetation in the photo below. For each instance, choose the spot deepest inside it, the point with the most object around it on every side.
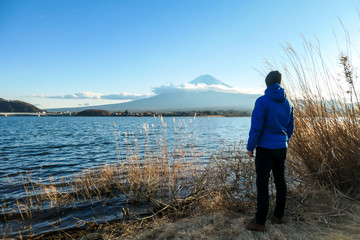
(326, 141)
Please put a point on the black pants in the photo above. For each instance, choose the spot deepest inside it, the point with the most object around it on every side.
(265, 161)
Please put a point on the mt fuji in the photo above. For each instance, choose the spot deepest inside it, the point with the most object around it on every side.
(208, 80)
(201, 94)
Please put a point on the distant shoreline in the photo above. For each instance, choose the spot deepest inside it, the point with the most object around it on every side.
(104, 113)
(202, 116)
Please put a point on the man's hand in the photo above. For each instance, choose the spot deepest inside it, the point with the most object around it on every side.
(251, 153)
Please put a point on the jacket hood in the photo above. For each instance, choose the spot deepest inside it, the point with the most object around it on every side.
(276, 92)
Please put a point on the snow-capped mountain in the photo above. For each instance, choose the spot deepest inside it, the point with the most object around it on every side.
(208, 80)
(202, 93)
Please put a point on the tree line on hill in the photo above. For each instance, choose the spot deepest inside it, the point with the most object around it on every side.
(17, 106)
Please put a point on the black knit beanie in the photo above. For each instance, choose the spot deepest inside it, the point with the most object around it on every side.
(273, 77)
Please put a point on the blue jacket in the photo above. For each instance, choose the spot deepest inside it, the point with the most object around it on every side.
(272, 120)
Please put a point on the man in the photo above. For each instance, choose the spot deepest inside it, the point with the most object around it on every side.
(272, 125)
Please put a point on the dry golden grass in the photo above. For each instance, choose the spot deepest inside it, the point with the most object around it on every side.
(326, 141)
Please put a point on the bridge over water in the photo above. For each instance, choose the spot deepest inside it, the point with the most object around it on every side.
(39, 114)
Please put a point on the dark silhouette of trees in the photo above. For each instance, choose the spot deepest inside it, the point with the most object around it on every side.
(17, 106)
(93, 112)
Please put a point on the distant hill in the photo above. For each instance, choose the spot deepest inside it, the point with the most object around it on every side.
(17, 106)
(93, 112)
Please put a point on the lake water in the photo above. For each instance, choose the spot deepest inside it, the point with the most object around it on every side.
(53, 148)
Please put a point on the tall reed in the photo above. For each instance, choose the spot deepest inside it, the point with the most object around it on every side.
(327, 117)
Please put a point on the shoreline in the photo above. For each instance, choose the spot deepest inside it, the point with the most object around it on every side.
(309, 215)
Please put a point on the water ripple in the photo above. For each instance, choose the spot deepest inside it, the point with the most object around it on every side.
(54, 148)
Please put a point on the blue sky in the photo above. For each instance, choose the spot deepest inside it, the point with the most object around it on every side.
(67, 53)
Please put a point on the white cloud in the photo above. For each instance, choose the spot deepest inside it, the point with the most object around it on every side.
(201, 87)
(187, 87)
(84, 104)
(93, 95)
(125, 95)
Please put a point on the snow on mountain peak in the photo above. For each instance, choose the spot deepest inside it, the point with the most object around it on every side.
(208, 80)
